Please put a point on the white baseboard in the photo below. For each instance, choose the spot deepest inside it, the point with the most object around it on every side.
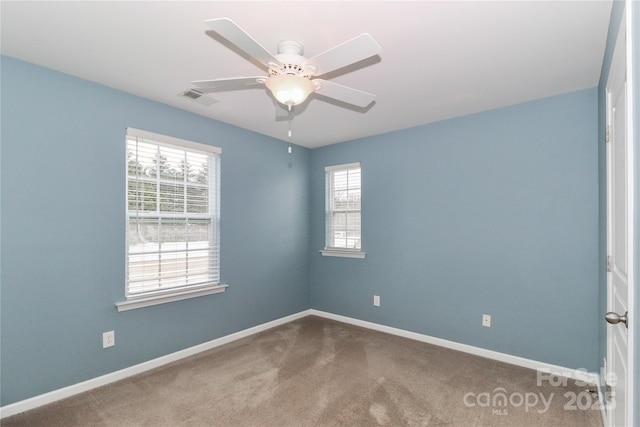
(62, 393)
(576, 374)
(43, 399)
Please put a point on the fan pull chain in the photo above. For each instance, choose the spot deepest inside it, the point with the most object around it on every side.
(289, 133)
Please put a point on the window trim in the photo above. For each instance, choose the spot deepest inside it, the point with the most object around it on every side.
(343, 253)
(335, 251)
(146, 301)
(171, 140)
(132, 302)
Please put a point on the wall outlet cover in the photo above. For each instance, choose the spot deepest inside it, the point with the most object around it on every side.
(108, 339)
(486, 320)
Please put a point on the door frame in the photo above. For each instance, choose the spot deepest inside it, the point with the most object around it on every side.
(618, 55)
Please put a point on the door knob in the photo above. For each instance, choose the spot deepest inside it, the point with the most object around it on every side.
(615, 318)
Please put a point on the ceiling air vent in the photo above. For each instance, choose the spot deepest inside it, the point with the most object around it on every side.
(198, 97)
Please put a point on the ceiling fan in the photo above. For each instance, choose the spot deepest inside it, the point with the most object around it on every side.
(292, 77)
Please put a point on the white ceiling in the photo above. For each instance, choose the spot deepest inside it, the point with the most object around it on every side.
(439, 59)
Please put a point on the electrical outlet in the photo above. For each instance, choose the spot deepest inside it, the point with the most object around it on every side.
(376, 300)
(486, 320)
(108, 339)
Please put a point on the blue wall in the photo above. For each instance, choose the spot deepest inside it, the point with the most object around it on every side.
(492, 213)
(63, 228)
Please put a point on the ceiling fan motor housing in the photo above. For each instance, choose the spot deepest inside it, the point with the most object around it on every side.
(291, 61)
(290, 47)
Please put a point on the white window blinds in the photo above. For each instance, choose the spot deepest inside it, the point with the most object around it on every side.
(173, 194)
(342, 216)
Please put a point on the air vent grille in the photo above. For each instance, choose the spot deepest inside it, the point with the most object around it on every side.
(198, 97)
(192, 94)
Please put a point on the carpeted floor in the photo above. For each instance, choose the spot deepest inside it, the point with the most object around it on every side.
(318, 372)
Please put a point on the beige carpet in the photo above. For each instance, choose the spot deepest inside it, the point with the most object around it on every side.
(317, 372)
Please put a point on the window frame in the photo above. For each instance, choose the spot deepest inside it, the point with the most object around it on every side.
(336, 251)
(212, 217)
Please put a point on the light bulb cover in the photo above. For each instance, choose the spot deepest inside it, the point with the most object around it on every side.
(289, 89)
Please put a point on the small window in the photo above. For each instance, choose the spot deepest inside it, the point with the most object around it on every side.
(173, 205)
(343, 235)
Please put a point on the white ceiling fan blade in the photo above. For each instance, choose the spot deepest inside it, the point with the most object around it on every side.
(344, 94)
(347, 53)
(228, 29)
(233, 83)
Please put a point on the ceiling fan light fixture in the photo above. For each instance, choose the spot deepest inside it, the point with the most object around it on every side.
(290, 89)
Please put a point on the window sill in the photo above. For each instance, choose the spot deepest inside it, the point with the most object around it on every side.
(343, 253)
(141, 302)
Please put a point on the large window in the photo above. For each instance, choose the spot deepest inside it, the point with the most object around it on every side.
(173, 205)
(342, 216)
